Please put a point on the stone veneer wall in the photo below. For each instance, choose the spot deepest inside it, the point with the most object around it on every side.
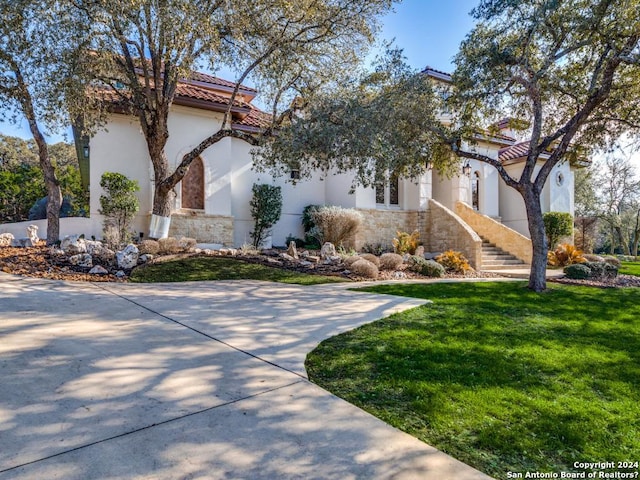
(502, 236)
(444, 230)
(204, 228)
(381, 226)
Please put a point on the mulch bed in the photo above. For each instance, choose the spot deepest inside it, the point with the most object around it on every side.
(38, 262)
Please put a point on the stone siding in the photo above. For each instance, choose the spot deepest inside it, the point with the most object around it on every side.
(444, 230)
(381, 226)
(204, 228)
(500, 235)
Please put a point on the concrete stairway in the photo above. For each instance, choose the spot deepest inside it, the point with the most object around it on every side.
(494, 258)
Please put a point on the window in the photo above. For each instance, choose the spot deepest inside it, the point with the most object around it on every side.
(475, 191)
(193, 186)
(388, 192)
(295, 174)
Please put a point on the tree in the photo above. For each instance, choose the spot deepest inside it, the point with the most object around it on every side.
(618, 196)
(36, 78)
(119, 205)
(571, 68)
(266, 208)
(586, 209)
(556, 226)
(285, 47)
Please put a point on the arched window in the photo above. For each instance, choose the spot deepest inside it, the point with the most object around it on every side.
(475, 191)
(193, 186)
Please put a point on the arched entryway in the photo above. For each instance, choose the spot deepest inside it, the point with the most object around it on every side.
(193, 186)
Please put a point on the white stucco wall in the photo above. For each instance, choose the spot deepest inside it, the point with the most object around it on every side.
(554, 197)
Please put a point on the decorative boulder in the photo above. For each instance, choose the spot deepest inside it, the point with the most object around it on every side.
(327, 251)
(419, 251)
(98, 270)
(6, 239)
(128, 258)
(73, 245)
(103, 254)
(292, 250)
(144, 258)
(21, 242)
(32, 234)
(81, 260)
(120, 274)
(287, 257)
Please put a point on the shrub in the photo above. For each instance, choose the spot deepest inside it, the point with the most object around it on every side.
(612, 261)
(186, 244)
(390, 261)
(565, 254)
(577, 271)
(372, 258)
(119, 206)
(149, 246)
(350, 260)
(335, 224)
(454, 262)
(375, 248)
(428, 268)
(168, 246)
(556, 226)
(266, 208)
(364, 268)
(406, 242)
(602, 270)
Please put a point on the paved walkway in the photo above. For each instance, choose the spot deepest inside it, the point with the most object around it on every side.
(191, 380)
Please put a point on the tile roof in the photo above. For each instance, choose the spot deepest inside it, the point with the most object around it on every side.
(517, 151)
(206, 95)
(206, 78)
(432, 72)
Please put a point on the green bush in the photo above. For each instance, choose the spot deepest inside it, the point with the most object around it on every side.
(266, 208)
(119, 206)
(577, 271)
(556, 226)
(602, 270)
(428, 268)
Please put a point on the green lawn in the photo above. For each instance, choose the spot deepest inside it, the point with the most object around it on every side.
(630, 268)
(221, 268)
(500, 377)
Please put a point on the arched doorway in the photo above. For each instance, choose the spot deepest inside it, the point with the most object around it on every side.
(193, 186)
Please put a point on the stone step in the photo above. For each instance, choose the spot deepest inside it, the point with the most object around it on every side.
(493, 263)
(504, 256)
(524, 267)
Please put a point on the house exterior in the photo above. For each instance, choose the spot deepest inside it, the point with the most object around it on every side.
(212, 201)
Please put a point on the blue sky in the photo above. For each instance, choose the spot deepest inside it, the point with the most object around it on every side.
(429, 32)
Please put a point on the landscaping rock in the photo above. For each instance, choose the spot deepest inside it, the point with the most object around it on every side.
(147, 257)
(431, 255)
(292, 251)
(327, 251)
(73, 245)
(313, 258)
(305, 263)
(98, 270)
(103, 254)
(128, 258)
(6, 239)
(399, 275)
(81, 260)
(287, 257)
(419, 251)
(120, 274)
(22, 243)
(32, 234)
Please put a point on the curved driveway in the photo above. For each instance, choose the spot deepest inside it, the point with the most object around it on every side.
(190, 380)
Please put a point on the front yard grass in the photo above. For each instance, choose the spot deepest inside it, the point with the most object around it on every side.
(499, 377)
(630, 268)
(221, 268)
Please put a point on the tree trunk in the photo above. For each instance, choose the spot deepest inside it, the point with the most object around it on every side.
(537, 277)
(54, 193)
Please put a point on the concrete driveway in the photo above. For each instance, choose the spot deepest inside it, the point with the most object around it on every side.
(188, 381)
